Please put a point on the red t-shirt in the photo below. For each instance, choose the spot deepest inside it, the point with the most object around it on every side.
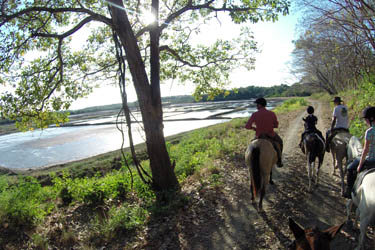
(265, 121)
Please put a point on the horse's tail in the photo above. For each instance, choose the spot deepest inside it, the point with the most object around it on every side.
(255, 165)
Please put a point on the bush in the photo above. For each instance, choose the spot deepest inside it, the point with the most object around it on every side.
(25, 203)
(119, 220)
(92, 191)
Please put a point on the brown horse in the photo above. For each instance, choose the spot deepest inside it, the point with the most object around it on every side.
(260, 157)
(315, 148)
(338, 148)
(312, 238)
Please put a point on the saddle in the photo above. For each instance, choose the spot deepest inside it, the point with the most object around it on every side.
(361, 175)
(341, 134)
(266, 137)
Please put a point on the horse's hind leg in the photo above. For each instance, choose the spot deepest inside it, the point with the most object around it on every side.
(365, 220)
(251, 191)
(333, 162)
(271, 181)
(342, 176)
(262, 193)
(309, 175)
(309, 171)
(318, 171)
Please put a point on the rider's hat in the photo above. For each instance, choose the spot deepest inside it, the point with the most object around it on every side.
(369, 113)
(337, 99)
(261, 101)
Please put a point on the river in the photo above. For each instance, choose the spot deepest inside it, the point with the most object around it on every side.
(57, 145)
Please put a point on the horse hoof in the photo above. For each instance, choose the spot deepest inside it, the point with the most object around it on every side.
(271, 182)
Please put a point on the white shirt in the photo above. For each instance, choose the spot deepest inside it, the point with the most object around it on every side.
(341, 114)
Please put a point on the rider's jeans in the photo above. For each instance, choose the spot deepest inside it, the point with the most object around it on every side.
(354, 164)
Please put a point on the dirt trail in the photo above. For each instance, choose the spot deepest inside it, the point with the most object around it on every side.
(233, 221)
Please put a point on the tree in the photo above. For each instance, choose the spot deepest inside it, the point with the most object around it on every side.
(47, 73)
(336, 43)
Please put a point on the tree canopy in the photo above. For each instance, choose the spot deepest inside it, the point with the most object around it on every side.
(53, 52)
(336, 44)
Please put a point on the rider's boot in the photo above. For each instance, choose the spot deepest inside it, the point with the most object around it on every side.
(351, 176)
(301, 147)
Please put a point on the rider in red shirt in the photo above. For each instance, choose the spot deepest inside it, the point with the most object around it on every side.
(265, 121)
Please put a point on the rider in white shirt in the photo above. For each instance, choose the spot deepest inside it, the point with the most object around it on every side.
(340, 121)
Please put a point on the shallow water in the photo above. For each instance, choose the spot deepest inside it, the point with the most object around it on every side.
(64, 144)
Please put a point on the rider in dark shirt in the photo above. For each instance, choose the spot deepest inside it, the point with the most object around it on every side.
(310, 126)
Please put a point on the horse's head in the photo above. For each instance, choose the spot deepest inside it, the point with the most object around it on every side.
(354, 148)
(312, 238)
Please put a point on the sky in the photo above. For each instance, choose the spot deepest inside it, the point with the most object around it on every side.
(271, 67)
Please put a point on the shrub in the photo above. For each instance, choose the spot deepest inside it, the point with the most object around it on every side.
(25, 203)
(92, 191)
(120, 219)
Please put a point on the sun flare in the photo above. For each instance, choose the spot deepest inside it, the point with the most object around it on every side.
(148, 18)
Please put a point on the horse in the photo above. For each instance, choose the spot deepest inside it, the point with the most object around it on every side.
(312, 238)
(338, 148)
(315, 148)
(260, 157)
(363, 195)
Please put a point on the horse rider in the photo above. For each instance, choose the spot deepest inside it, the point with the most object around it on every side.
(265, 121)
(367, 159)
(310, 122)
(339, 121)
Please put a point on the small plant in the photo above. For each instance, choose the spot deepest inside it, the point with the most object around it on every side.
(120, 220)
(39, 241)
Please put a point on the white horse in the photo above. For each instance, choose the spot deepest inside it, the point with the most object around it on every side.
(364, 197)
(338, 148)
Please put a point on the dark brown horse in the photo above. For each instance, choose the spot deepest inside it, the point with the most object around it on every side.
(315, 148)
(312, 238)
(260, 157)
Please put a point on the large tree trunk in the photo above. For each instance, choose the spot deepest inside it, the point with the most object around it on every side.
(149, 99)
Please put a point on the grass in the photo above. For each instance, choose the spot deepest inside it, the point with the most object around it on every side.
(357, 100)
(291, 104)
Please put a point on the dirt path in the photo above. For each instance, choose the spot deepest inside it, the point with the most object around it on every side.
(233, 222)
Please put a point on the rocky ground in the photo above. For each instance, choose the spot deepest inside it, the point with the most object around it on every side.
(225, 217)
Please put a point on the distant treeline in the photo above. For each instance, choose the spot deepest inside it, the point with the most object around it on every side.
(254, 92)
(238, 94)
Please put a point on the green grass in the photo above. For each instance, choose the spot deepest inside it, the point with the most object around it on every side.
(291, 104)
(357, 100)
